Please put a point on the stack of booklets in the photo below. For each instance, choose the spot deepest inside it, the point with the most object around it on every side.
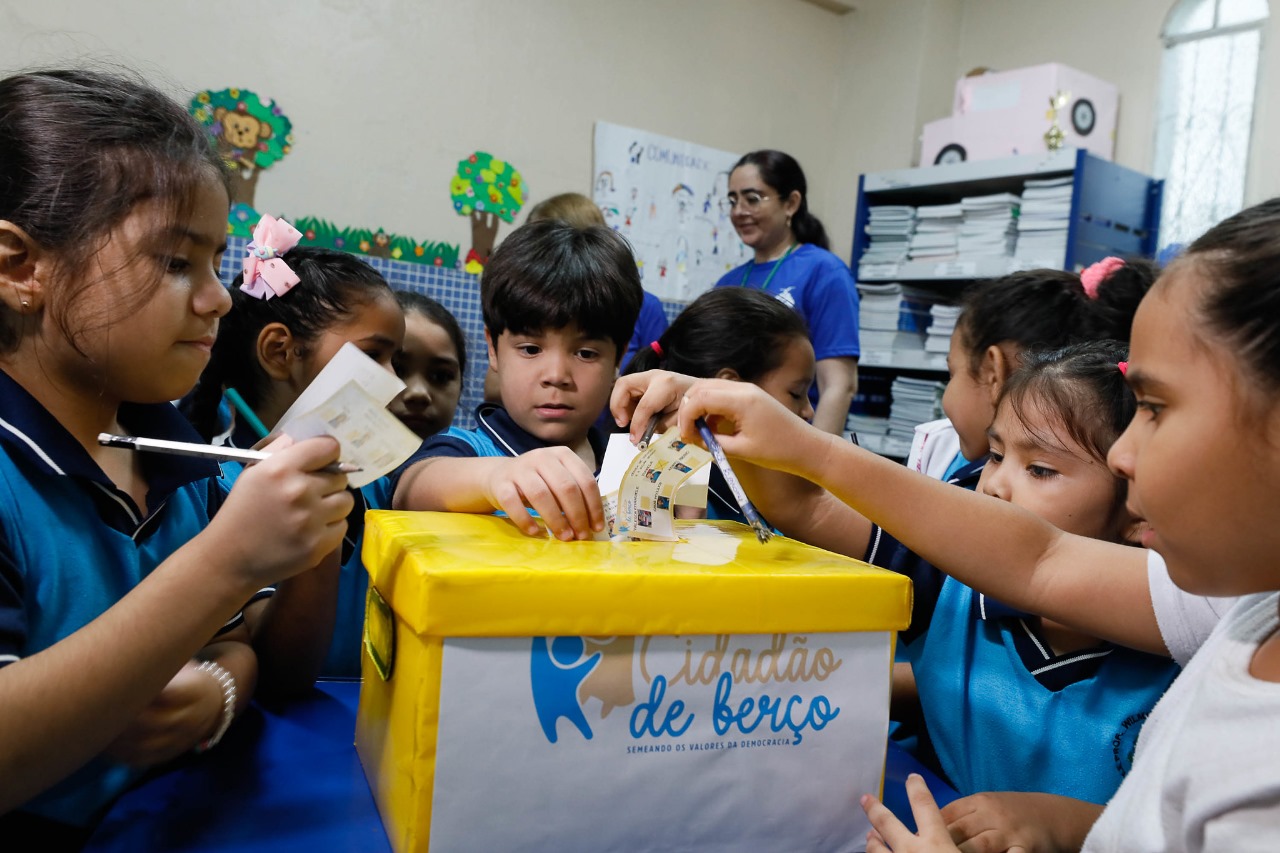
(887, 320)
(915, 401)
(990, 226)
(942, 324)
(1043, 223)
(889, 229)
(937, 232)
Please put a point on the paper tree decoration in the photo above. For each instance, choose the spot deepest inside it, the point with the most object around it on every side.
(486, 190)
(250, 133)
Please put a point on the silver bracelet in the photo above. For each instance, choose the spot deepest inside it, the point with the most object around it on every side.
(227, 682)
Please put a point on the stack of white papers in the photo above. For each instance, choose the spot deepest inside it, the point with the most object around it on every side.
(889, 229)
(915, 401)
(941, 327)
(1043, 223)
(879, 306)
(990, 226)
(893, 317)
(937, 232)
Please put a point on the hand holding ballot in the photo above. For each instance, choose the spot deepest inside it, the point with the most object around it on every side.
(553, 482)
(348, 400)
(748, 423)
(285, 512)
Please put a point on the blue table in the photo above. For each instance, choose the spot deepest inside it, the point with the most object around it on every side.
(290, 781)
(279, 781)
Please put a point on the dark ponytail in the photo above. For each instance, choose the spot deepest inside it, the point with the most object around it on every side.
(333, 287)
(737, 328)
(784, 176)
(1049, 309)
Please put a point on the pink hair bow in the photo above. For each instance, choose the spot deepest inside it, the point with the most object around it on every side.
(265, 272)
(1094, 275)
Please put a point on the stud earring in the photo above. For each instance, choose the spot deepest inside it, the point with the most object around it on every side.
(25, 305)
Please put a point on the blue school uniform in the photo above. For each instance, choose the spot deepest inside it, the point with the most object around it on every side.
(1003, 712)
(72, 545)
(496, 434)
(819, 286)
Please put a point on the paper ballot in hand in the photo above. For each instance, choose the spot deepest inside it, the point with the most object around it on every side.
(348, 400)
(640, 503)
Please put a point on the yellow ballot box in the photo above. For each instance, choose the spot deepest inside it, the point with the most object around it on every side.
(709, 694)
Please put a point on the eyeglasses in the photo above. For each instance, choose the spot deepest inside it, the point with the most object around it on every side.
(749, 200)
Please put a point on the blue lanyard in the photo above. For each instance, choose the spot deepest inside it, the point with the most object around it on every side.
(747, 272)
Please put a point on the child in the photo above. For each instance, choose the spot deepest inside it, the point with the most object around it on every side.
(999, 321)
(1205, 365)
(268, 350)
(581, 212)
(559, 306)
(743, 335)
(116, 649)
(1063, 707)
(768, 203)
(432, 364)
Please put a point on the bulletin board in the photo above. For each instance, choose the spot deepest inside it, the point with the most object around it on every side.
(666, 196)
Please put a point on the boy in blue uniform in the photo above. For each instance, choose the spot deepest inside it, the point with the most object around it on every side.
(560, 304)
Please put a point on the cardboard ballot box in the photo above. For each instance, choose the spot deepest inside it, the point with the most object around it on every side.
(710, 694)
(1000, 114)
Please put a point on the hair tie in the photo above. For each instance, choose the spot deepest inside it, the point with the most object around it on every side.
(265, 273)
(1094, 275)
(656, 347)
(1124, 367)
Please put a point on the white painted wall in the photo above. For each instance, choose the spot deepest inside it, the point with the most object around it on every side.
(387, 95)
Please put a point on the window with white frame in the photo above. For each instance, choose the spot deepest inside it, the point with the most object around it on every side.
(1208, 85)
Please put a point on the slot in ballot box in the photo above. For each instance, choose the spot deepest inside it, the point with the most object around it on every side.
(710, 694)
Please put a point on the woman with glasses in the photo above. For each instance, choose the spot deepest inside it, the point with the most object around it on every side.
(769, 208)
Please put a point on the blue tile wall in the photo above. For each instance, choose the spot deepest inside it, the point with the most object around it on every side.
(454, 289)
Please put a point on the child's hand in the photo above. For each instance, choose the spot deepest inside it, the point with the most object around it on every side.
(284, 514)
(640, 396)
(1009, 820)
(751, 425)
(889, 833)
(183, 714)
(556, 484)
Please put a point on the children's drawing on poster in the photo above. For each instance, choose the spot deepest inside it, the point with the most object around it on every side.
(666, 196)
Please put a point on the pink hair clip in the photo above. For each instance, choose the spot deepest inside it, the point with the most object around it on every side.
(1124, 367)
(656, 347)
(265, 272)
(1094, 275)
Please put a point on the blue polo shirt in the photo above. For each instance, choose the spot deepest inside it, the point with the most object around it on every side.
(819, 286)
(72, 545)
(1001, 710)
(1004, 712)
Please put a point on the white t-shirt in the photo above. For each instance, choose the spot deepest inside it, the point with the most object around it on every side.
(1207, 771)
(934, 446)
(1185, 620)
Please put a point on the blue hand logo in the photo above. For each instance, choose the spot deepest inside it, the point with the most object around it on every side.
(555, 673)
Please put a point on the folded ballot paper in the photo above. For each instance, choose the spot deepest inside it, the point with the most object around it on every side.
(641, 488)
(348, 400)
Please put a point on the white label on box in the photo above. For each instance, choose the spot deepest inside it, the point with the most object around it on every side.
(708, 742)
